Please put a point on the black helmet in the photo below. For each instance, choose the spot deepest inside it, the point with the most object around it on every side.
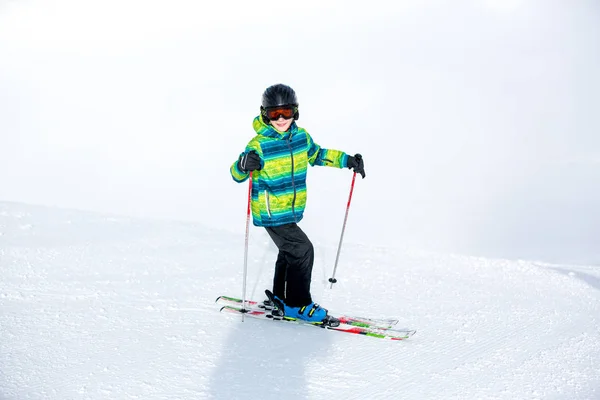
(276, 96)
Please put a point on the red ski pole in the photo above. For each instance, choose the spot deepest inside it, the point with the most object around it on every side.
(246, 245)
(337, 257)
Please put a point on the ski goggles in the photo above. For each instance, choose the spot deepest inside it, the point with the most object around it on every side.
(287, 112)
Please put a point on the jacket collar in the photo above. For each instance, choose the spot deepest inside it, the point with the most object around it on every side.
(261, 128)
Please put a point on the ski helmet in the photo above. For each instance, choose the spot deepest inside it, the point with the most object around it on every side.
(277, 96)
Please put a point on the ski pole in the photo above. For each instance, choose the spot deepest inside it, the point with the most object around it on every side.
(337, 257)
(246, 246)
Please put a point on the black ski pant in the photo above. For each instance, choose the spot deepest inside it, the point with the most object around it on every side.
(294, 264)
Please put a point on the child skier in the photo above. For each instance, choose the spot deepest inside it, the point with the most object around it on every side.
(278, 157)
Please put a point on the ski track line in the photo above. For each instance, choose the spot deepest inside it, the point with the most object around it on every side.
(429, 362)
(464, 354)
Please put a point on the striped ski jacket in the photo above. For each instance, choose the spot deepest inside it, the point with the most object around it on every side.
(279, 188)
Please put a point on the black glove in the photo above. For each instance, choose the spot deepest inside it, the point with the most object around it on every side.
(249, 162)
(356, 164)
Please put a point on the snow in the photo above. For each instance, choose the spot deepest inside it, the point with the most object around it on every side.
(97, 306)
(477, 224)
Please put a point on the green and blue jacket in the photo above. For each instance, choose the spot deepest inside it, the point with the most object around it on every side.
(279, 188)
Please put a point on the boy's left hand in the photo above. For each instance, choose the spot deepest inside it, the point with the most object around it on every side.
(357, 164)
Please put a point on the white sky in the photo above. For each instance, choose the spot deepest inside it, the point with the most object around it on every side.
(477, 119)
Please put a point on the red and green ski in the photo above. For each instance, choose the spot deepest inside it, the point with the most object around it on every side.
(378, 328)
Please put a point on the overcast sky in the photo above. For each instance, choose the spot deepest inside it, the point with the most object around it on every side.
(478, 120)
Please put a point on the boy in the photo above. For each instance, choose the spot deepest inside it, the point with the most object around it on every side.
(278, 157)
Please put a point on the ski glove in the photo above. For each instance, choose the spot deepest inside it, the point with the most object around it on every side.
(249, 162)
(356, 164)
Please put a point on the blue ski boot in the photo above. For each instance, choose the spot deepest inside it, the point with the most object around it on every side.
(312, 312)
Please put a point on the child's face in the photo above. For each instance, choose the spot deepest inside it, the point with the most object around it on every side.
(282, 124)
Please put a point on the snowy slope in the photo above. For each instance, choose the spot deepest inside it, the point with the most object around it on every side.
(100, 307)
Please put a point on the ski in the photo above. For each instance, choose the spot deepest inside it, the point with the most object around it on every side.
(379, 333)
(384, 323)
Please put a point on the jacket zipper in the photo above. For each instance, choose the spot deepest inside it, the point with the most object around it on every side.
(289, 143)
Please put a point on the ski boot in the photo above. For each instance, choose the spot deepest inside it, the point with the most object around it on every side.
(312, 312)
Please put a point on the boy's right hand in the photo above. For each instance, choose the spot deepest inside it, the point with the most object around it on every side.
(249, 162)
